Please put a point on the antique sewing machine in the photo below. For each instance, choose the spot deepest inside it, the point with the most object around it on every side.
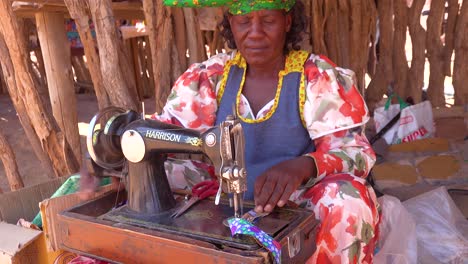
(136, 225)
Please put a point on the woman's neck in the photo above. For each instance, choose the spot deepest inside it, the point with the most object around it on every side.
(267, 70)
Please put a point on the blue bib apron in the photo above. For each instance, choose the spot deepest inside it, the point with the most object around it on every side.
(279, 138)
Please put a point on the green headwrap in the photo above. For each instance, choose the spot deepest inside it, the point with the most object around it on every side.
(236, 7)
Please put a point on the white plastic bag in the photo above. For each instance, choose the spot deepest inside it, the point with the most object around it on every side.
(441, 228)
(416, 121)
(397, 242)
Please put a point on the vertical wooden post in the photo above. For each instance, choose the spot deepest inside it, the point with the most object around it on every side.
(79, 12)
(193, 40)
(51, 138)
(384, 69)
(9, 77)
(135, 59)
(418, 40)
(159, 21)
(3, 88)
(149, 66)
(435, 53)
(114, 64)
(180, 36)
(400, 62)
(57, 62)
(452, 16)
(11, 169)
(460, 65)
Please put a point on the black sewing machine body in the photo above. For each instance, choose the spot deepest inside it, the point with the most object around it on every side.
(125, 145)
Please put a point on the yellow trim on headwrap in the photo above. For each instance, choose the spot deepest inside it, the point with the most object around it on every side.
(236, 7)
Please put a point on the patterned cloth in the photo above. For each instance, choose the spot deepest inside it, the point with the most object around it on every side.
(244, 227)
(333, 112)
(236, 7)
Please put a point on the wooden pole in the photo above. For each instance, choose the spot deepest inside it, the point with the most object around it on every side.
(57, 61)
(11, 168)
(384, 69)
(418, 40)
(192, 36)
(460, 65)
(362, 25)
(110, 55)
(8, 73)
(200, 40)
(149, 67)
(133, 46)
(51, 138)
(452, 15)
(400, 62)
(435, 53)
(346, 32)
(40, 65)
(3, 87)
(79, 11)
(180, 36)
(159, 21)
(79, 69)
(331, 25)
(317, 28)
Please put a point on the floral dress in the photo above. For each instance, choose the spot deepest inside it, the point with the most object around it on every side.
(333, 112)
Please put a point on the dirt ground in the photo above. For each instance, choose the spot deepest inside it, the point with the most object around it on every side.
(29, 166)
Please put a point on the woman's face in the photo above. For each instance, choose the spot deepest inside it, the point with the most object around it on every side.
(260, 35)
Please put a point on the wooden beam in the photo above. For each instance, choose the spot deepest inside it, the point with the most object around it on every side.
(57, 61)
(122, 10)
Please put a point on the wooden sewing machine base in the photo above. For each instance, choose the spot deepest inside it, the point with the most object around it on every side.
(99, 230)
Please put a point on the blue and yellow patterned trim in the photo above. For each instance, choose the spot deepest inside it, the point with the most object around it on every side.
(294, 63)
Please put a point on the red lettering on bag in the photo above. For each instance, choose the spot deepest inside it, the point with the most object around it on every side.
(406, 120)
(420, 133)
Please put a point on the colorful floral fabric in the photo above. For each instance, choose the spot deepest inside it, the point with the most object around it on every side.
(348, 212)
(333, 112)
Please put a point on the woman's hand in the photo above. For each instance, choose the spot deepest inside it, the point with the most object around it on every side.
(88, 184)
(275, 186)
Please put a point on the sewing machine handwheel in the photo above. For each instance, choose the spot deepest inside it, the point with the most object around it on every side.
(103, 143)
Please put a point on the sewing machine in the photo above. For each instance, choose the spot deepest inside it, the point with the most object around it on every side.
(126, 145)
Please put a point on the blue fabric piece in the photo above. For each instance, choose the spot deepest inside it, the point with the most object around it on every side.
(244, 227)
(279, 138)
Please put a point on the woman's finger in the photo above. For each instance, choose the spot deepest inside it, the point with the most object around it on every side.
(275, 196)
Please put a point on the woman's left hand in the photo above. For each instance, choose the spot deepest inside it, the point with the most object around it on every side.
(275, 186)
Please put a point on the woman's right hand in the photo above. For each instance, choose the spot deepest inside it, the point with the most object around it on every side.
(275, 186)
(88, 184)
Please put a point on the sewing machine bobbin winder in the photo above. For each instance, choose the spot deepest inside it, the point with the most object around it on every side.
(135, 226)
